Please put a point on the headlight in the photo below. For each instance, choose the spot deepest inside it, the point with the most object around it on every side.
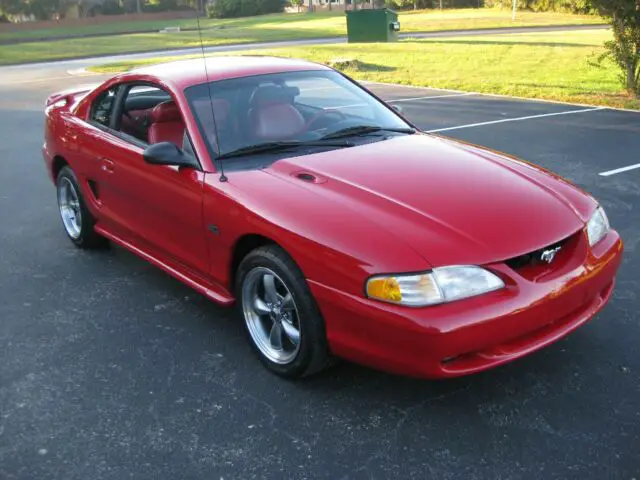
(444, 284)
(597, 227)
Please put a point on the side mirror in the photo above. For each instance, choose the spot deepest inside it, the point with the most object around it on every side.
(398, 109)
(167, 153)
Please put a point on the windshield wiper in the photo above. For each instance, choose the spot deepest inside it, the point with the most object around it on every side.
(280, 146)
(364, 129)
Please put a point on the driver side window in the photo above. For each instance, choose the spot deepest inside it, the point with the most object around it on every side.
(144, 110)
(149, 115)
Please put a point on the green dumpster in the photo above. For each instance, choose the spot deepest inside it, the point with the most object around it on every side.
(375, 25)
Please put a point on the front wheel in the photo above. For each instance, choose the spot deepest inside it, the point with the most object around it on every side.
(282, 320)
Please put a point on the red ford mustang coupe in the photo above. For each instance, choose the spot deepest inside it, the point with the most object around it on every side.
(338, 228)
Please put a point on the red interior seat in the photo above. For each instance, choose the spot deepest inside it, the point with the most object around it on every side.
(276, 121)
(166, 124)
(224, 124)
(272, 115)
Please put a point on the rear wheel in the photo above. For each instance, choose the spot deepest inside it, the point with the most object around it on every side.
(76, 218)
(281, 317)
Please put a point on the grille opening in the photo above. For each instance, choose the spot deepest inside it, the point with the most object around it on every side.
(535, 257)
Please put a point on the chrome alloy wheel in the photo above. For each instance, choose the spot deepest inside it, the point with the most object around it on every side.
(271, 315)
(69, 205)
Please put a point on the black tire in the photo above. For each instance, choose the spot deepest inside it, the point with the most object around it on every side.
(313, 354)
(87, 238)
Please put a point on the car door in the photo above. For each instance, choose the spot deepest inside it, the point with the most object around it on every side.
(95, 147)
(157, 208)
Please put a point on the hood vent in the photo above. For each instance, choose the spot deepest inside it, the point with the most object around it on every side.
(309, 177)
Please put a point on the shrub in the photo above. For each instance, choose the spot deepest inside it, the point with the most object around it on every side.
(571, 6)
(243, 8)
(111, 7)
(624, 49)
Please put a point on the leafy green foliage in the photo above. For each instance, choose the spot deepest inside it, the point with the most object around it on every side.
(244, 8)
(41, 9)
(431, 4)
(160, 5)
(111, 7)
(624, 49)
(12, 7)
(572, 6)
(568, 6)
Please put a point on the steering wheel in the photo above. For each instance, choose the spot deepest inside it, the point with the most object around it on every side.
(135, 123)
(322, 114)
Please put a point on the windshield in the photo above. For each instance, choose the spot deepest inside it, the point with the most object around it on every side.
(306, 107)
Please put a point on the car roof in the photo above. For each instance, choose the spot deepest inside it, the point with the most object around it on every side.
(185, 73)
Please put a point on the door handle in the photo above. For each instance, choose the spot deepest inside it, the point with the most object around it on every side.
(107, 165)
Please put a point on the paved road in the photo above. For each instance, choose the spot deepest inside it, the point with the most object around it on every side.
(109, 369)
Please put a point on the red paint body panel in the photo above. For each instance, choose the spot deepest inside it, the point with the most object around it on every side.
(402, 205)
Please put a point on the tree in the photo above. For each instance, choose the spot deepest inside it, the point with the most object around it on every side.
(243, 8)
(10, 7)
(41, 9)
(624, 49)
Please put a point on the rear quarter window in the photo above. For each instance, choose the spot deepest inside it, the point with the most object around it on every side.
(102, 108)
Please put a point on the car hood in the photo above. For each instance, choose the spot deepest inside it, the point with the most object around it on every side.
(451, 202)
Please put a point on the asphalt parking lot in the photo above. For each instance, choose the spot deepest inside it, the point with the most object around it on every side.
(110, 369)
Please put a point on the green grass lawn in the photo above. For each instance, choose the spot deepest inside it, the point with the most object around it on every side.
(534, 65)
(268, 28)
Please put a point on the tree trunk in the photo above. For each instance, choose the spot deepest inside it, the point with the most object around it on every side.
(632, 79)
(637, 68)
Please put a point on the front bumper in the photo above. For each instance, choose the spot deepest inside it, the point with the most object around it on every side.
(478, 333)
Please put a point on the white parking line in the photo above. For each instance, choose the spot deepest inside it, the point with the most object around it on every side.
(430, 97)
(497, 95)
(313, 89)
(370, 82)
(517, 119)
(619, 170)
(340, 107)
